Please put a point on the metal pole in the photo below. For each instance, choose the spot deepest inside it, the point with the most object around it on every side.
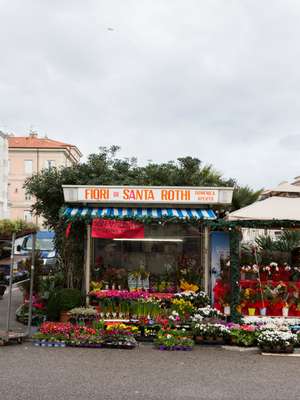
(33, 237)
(206, 261)
(88, 265)
(12, 260)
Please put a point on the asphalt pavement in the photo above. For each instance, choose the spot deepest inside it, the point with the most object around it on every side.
(209, 373)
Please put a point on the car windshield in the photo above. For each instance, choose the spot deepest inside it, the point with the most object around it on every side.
(41, 244)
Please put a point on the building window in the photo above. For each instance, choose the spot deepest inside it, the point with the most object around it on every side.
(49, 164)
(27, 197)
(27, 216)
(28, 167)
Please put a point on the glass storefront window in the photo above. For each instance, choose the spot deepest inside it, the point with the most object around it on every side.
(167, 256)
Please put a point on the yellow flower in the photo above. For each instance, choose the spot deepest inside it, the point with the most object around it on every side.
(188, 287)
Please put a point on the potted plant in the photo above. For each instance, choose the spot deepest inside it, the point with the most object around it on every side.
(61, 301)
(243, 335)
(275, 341)
(172, 339)
(209, 333)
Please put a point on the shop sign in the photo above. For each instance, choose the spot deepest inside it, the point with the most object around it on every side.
(112, 229)
(157, 195)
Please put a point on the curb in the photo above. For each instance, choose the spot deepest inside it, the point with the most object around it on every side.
(241, 349)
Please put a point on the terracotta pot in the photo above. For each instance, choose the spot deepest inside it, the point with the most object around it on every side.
(64, 316)
(199, 339)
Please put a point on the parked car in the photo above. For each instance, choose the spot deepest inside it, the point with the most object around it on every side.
(45, 244)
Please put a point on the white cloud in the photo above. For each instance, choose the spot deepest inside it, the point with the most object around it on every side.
(218, 80)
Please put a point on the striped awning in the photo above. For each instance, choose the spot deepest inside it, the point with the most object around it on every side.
(156, 213)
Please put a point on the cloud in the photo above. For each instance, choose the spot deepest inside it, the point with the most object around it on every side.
(217, 80)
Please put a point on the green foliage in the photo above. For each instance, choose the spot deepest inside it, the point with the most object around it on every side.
(62, 300)
(8, 227)
(38, 265)
(278, 249)
(243, 337)
(105, 168)
(244, 196)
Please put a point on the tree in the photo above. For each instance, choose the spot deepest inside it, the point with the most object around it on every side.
(244, 196)
(105, 168)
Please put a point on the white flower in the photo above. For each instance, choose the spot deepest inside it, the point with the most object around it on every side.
(273, 264)
(255, 268)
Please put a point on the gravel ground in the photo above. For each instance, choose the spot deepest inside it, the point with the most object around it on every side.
(29, 372)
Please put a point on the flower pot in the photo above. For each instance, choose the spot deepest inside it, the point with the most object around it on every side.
(285, 311)
(227, 310)
(199, 339)
(277, 349)
(263, 311)
(251, 311)
(64, 316)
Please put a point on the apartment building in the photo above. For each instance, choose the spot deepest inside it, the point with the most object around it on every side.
(28, 155)
(3, 176)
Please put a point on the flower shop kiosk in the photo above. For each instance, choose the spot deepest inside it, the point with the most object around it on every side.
(149, 238)
(147, 260)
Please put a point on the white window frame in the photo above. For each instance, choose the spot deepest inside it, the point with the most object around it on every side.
(28, 171)
(27, 216)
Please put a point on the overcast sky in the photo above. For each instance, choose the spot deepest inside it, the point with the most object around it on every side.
(215, 79)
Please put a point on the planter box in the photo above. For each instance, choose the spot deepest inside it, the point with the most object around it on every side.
(86, 345)
(145, 339)
(277, 349)
(118, 346)
(209, 340)
(174, 348)
(45, 343)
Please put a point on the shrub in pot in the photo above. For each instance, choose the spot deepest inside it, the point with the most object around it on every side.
(62, 300)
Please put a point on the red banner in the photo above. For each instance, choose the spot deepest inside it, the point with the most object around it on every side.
(112, 229)
(68, 230)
